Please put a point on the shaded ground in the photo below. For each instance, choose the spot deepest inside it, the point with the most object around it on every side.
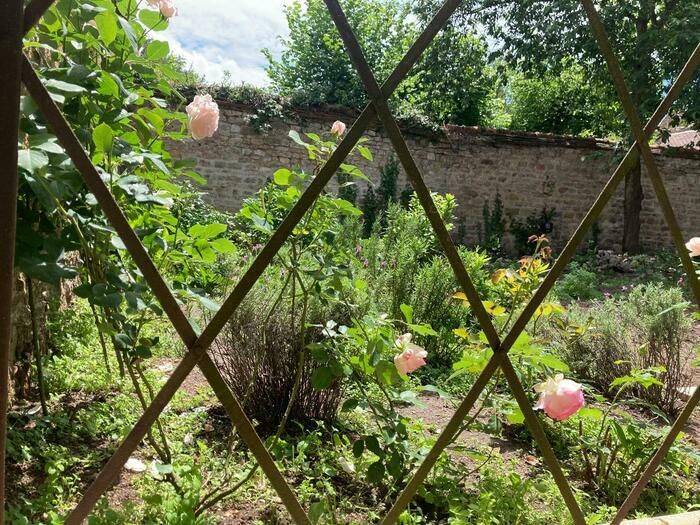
(434, 412)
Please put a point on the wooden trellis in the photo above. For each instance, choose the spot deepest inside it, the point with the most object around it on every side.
(15, 22)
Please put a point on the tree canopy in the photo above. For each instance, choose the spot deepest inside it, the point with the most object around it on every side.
(652, 39)
(566, 102)
(452, 83)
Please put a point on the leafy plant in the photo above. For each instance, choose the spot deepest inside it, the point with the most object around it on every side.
(494, 226)
(614, 448)
(578, 284)
(534, 224)
(644, 329)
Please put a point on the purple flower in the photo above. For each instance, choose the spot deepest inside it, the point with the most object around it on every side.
(365, 263)
(382, 265)
(358, 250)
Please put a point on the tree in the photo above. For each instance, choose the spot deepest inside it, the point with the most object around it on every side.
(652, 39)
(452, 83)
(314, 66)
(566, 103)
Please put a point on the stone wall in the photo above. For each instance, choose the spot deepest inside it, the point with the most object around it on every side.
(530, 171)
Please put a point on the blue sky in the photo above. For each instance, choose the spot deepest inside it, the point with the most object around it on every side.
(227, 35)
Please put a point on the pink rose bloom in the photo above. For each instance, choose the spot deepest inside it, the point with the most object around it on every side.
(559, 398)
(338, 128)
(693, 246)
(412, 356)
(167, 9)
(202, 117)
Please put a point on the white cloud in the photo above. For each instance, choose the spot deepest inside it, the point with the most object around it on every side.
(227, 35)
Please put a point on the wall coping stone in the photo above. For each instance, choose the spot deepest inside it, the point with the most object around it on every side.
(479, 134)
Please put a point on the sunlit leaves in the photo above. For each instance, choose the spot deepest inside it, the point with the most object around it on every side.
(157, 50)
(103, 138)
(64, 87)
(32, 160)
(107, 27)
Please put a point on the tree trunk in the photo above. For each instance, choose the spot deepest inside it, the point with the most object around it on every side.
(634, 195)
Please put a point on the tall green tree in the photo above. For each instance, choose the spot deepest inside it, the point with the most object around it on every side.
(652, 39)
(453, 82)
(567, 102)
(314, 66)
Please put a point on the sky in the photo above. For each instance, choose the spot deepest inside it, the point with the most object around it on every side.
(227, 35)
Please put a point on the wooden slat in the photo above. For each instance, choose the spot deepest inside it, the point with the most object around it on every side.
(10, 60)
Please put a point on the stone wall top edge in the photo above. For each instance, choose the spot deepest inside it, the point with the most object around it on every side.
(452, 133)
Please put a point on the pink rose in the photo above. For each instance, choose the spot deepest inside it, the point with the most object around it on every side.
(559, 398)
(412, 356)
(202, 117)
(167, 9)
(693, 246)
(338, 128)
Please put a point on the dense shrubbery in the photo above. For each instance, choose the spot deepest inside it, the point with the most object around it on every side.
(645, 329)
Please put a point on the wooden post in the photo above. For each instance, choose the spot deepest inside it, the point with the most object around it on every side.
(10, 64)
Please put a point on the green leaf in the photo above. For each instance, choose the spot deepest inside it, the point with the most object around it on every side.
(32, 160)
(294, 135)
(365, 152)
(223, 245)
(407, 312)
(372, 444)
(322, 377)
(422, 329)
(110, 300)
(358, 447)
(375, 472)
(106, 27)
(163, 468)
(386, 372)
(554, 363)
(122, 341)
(207, 231)
(515, 416)
(108, 86)
(283, 177)
(360, 284)
(590, 413)
(45, 142)
(64, 87)
(152, 19)
(103, 138)
(157, 50)
(316, 511)
(432, 388)
(207, 303)
(130, 35)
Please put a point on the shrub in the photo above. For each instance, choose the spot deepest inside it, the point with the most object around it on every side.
(392, 257)
(645, 329)
(534, 224)
(494, 226)
(259, 351)
(578, 284)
